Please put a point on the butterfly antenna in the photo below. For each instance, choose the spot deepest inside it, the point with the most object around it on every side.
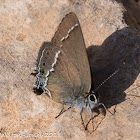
(109, 77)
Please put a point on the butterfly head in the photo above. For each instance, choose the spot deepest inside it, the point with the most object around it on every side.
(92, 100)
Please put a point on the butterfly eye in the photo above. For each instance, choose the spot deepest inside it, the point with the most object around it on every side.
(92, 98)
(42, 72)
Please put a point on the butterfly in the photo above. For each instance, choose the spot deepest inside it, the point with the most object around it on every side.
(63, 71)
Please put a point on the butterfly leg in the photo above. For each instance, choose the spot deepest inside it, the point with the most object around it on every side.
(91, 119)
(106, 108)
(82, 118)
(92, 122)
(63, 110)
(91, 113)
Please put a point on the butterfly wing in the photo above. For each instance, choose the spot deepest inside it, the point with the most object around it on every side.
(64, 64)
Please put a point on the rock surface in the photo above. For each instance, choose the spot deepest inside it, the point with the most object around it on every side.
(25, 25)
(132, 13)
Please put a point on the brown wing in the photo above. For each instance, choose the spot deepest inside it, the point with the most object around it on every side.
(67, 58)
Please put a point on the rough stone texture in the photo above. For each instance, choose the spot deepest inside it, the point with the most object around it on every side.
(25, 25)
(132, 13)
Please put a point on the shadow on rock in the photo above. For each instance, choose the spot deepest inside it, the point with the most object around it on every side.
(122, 46)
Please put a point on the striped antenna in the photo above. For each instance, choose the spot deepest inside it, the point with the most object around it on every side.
(116, 71)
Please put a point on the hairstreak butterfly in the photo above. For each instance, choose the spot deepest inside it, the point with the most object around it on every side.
(63, 69)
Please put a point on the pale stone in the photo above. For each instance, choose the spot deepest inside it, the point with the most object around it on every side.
(24, 26)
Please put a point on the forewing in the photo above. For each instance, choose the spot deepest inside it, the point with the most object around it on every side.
(73, 58)
(67, 66)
